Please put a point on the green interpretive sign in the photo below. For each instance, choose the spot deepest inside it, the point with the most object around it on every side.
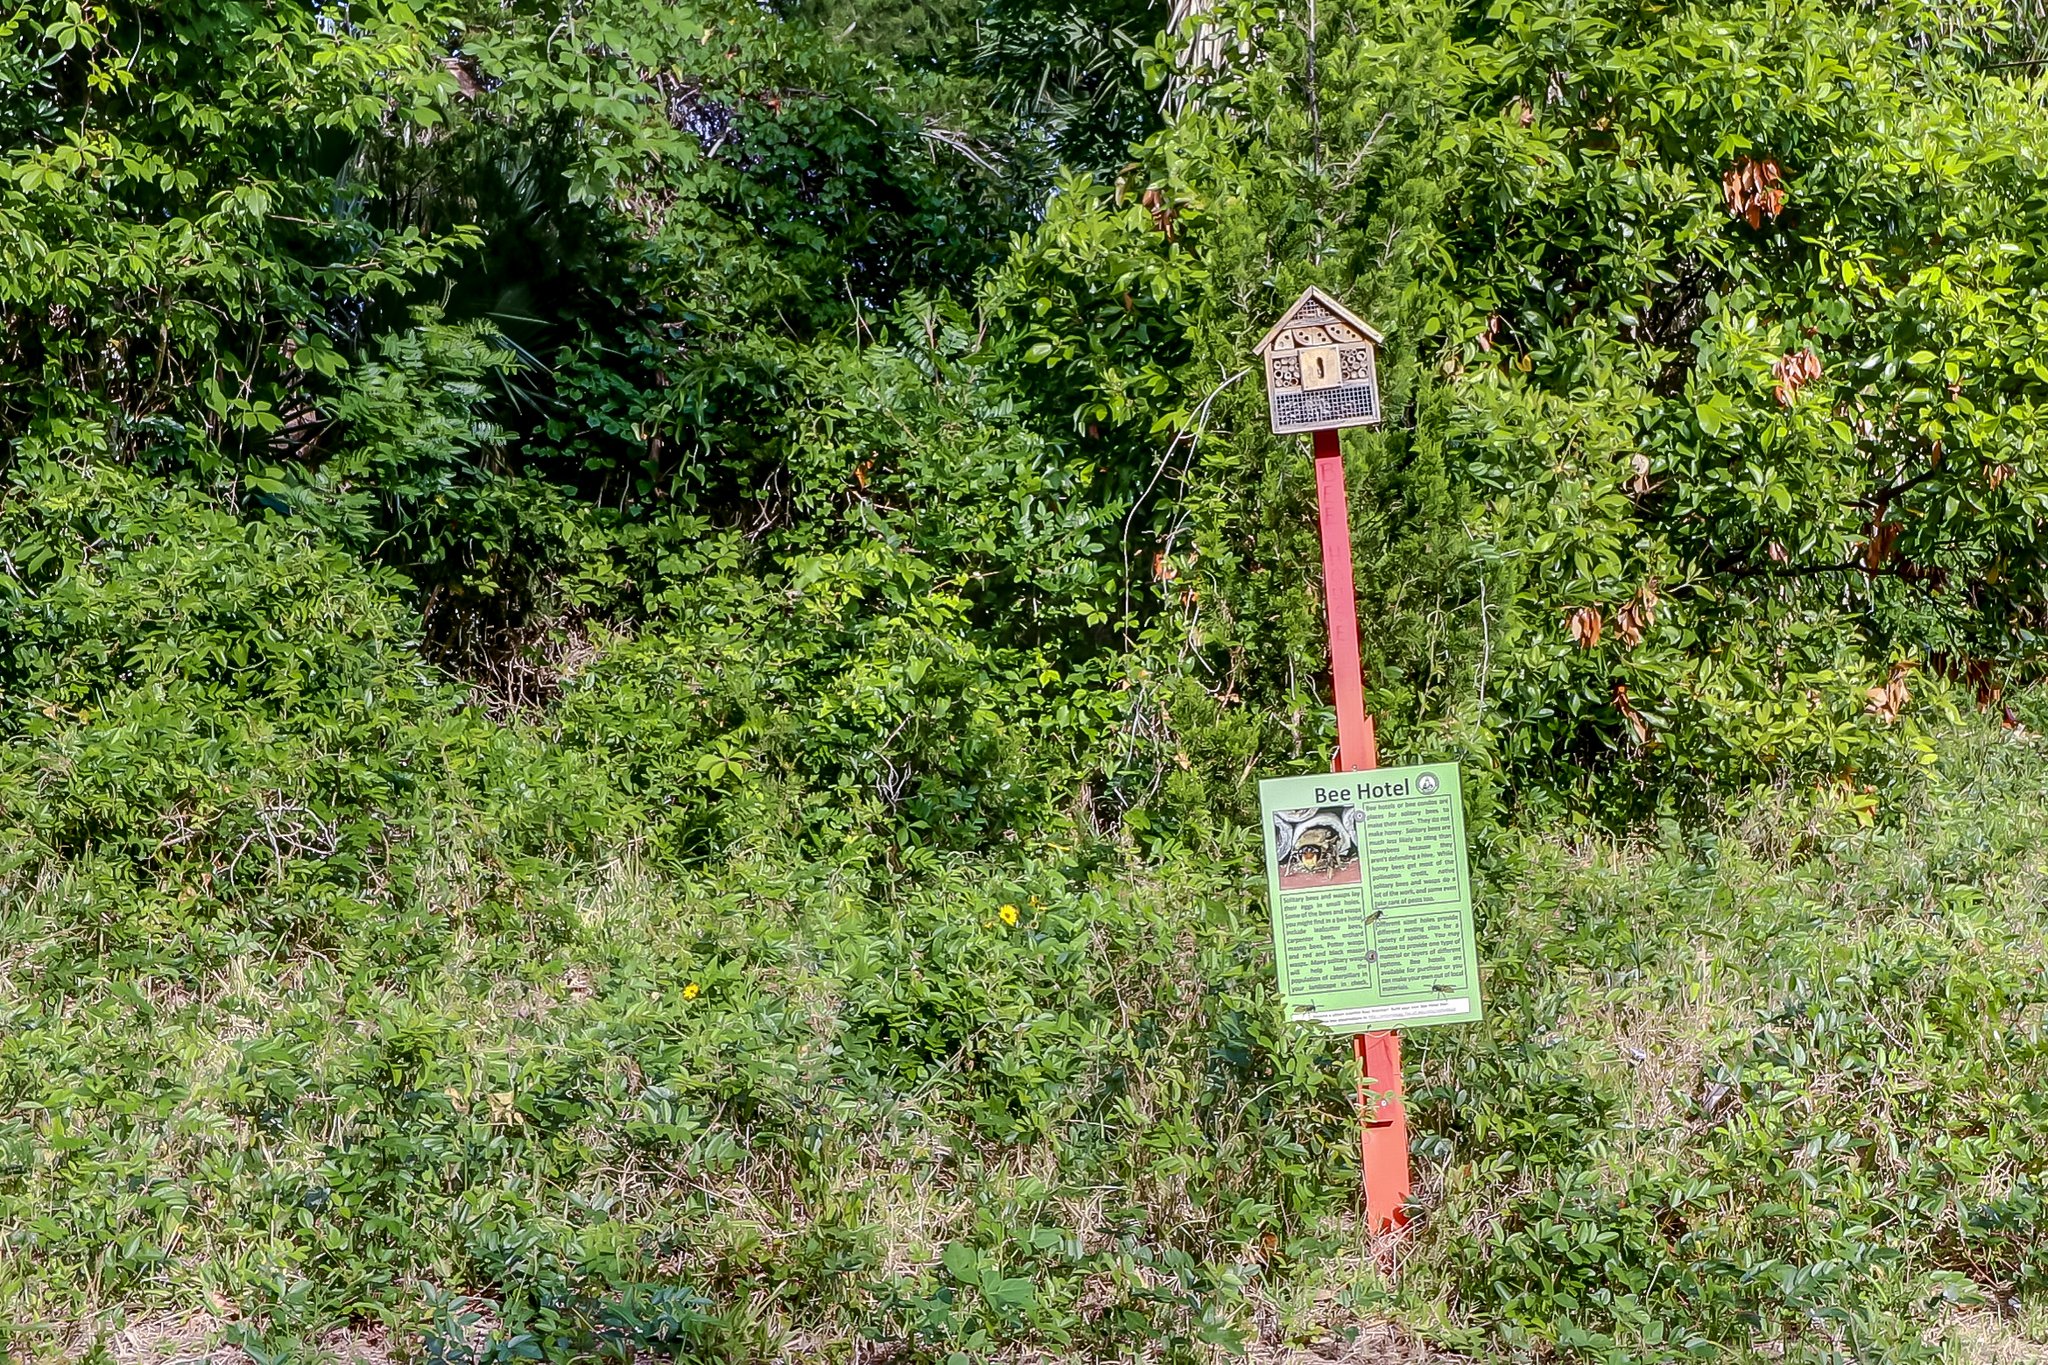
(1372, 897)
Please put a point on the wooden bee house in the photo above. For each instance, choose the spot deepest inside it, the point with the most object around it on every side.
(1322, 367)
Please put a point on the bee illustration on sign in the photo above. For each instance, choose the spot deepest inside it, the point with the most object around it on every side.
(1317, 846)
(1321, 367)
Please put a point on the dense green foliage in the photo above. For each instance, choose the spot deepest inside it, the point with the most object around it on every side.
(1711, 350)
(1607, 419)
(562, 562)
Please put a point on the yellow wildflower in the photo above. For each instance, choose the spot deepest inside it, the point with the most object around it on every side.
(1009, 914)
(690, 991)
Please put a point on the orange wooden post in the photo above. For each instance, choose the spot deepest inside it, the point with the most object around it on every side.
(1384, 1118)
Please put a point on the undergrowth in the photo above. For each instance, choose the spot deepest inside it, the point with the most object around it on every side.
(1772, 1090)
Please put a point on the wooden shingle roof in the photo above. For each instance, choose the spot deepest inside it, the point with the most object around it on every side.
(1313, 309)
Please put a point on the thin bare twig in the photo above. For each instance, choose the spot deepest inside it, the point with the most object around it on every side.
(1191, 438)
(980, 154)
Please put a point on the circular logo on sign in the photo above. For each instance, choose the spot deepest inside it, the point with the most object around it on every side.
(1426, 784)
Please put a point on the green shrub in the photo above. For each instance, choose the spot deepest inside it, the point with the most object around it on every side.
(212, 724)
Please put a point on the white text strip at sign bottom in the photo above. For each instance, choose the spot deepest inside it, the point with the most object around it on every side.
(1384, 1014)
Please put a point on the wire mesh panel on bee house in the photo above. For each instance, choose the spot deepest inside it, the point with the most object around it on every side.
(1322, 367)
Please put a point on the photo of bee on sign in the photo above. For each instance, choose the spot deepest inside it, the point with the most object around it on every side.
(1317, 846)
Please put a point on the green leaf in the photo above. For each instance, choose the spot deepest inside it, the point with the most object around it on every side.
(1717, 414)
(963, 1262)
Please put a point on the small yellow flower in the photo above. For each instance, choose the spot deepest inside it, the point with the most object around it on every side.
(690, 991)
(1008, 913)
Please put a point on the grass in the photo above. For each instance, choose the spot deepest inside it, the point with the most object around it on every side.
(1774, 1089)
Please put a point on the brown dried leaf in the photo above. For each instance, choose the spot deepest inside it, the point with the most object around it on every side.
(1884, 538)
(1639, 480)
(1584, 624)
(464, 69)
(1635, 617)
(1885, 702)
(1161, 209)
(1794, 371)
(1752, 189)
(1629, 713)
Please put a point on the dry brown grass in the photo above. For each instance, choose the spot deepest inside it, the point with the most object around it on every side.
(1360, 1344)
(200, 1337)
(1984, 1338)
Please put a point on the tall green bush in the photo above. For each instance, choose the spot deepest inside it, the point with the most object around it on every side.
(1710, 371)
(212, 726)
(1710, 378)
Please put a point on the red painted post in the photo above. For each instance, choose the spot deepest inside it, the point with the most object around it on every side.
(1356, 745)
(1384, 1146)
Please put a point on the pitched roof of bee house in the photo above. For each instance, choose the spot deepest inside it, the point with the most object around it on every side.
(1316, 309)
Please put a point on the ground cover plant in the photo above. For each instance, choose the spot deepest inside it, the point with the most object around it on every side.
(1771, 1090)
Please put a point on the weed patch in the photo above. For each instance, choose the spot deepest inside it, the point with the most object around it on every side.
(1754, 1092)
